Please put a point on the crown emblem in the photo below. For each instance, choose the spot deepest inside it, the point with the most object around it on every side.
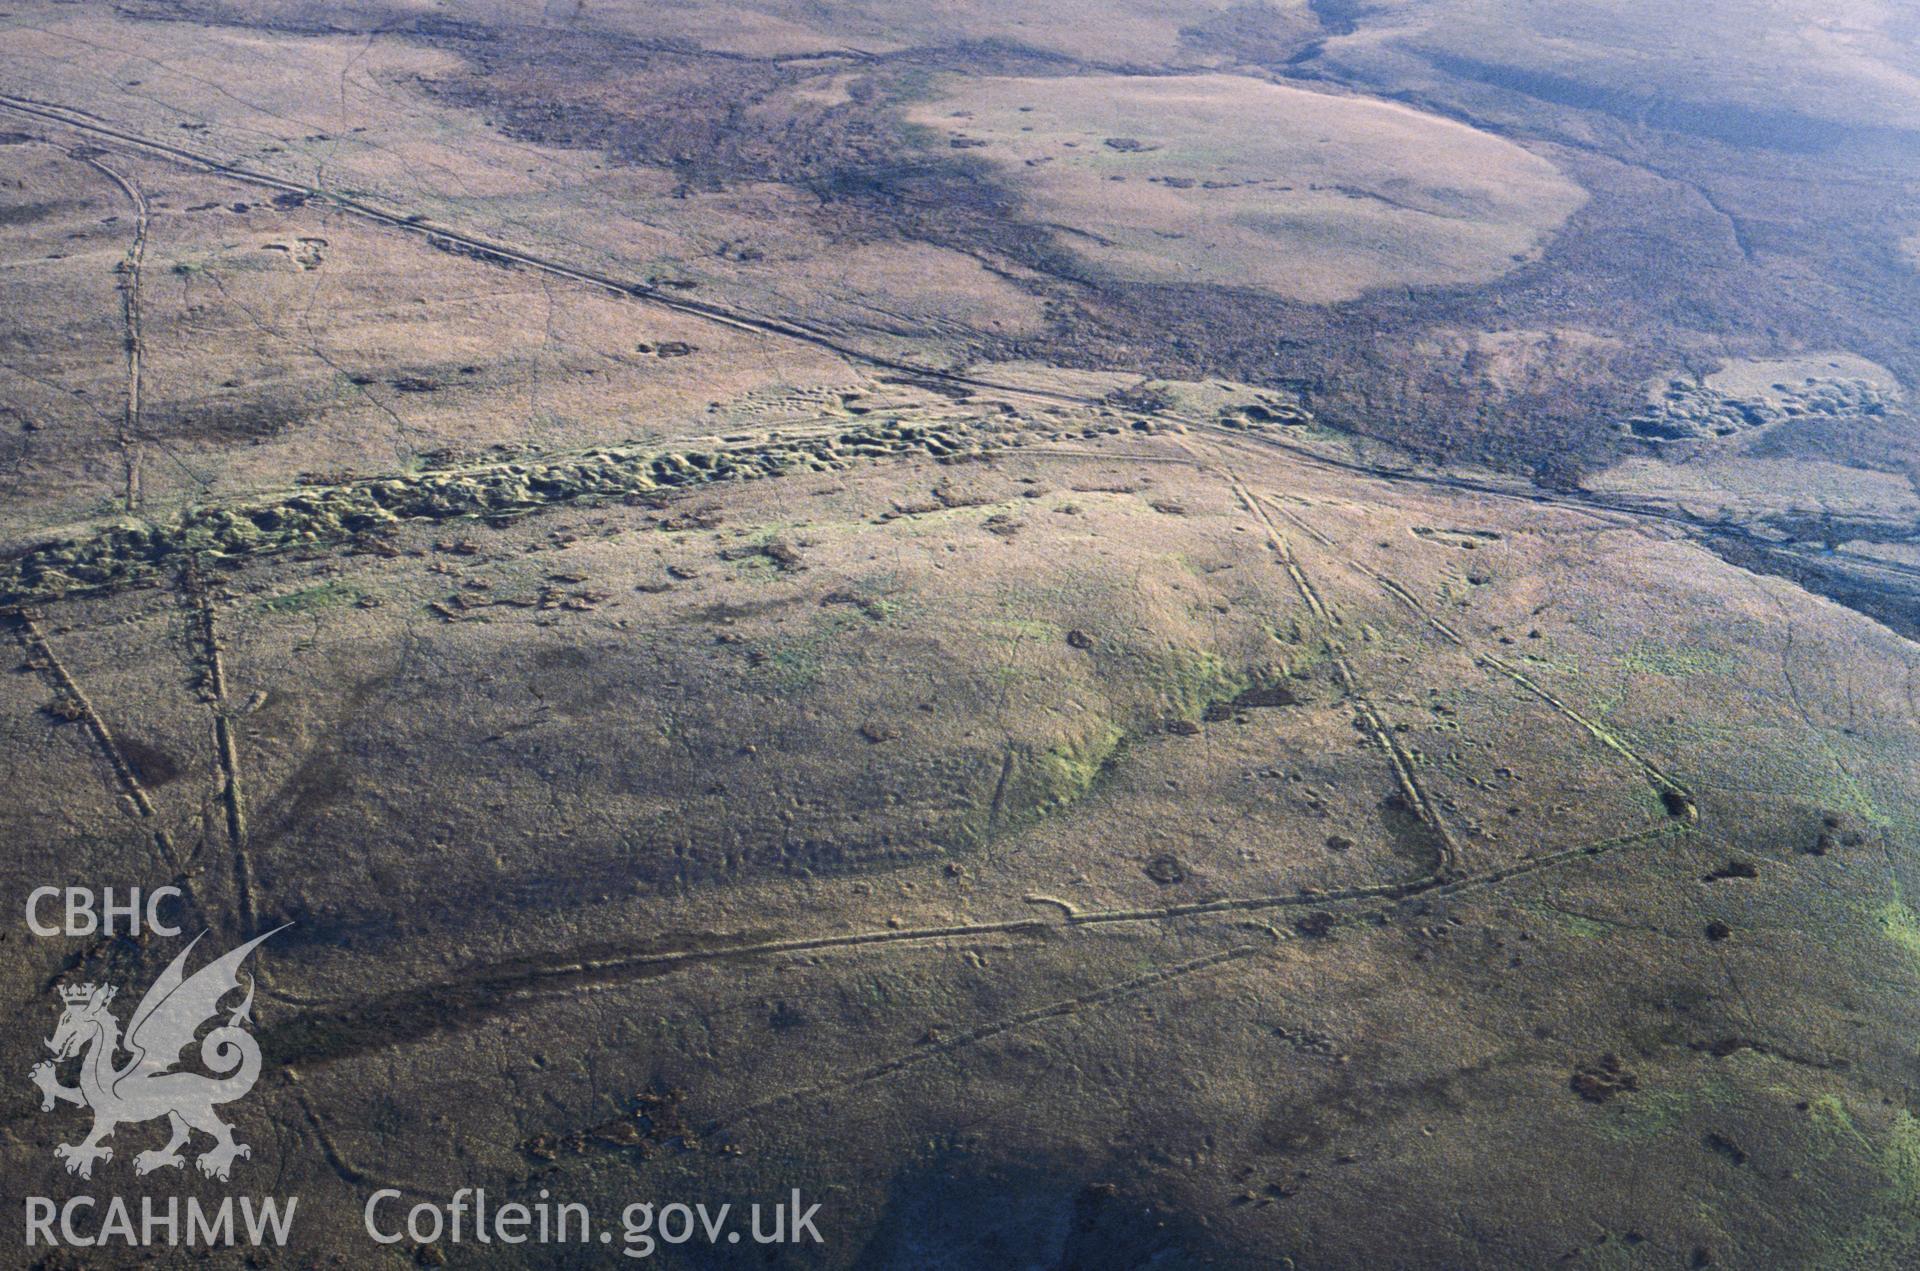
(74, 995)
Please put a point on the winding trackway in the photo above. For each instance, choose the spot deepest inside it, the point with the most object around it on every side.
(1385, 898)
(82, 122)
(1336, 908)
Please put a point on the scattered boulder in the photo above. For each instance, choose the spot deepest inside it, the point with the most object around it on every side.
(1599, 1082)
(1726, 1147)
(1166, 869)
(777, 551)
(1002, 525)
(66, 708)
(1318, 925)
(1835, 832)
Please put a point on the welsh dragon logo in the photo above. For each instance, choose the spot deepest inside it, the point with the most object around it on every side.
(146, 1086)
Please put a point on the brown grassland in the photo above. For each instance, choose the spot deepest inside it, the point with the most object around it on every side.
(1167, 632)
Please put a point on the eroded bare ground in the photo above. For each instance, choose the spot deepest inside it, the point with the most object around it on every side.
(727, 707)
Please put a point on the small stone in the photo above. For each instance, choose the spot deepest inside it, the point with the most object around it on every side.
(67, 708)
(1166, 869)
(1318, 924)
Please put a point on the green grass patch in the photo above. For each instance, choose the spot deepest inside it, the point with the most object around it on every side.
(309, 599)
(1828, 1112)
(1651, 658)
(1900, 924)
(1066, 772)
(1559, 663)
(1187, 681)
(1652, 1114)
(1902, 1161)
(1889, 1237)
(1025, 628)
(793, 666)
(1585, 928)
